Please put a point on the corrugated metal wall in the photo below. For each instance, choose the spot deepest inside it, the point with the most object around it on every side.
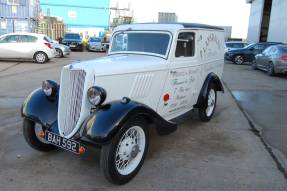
(18, 17)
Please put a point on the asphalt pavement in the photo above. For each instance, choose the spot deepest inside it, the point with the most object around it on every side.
(264, 98)
(223, 154)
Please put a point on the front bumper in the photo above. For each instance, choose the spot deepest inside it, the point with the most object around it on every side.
(228, 56)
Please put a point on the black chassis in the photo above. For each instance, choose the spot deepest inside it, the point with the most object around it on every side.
(101, 125)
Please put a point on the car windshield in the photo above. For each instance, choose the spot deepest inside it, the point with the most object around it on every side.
(72, 36)
(95, 40)
(141, 42)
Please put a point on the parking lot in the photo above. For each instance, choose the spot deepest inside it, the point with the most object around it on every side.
(223, 154)
(264, 100)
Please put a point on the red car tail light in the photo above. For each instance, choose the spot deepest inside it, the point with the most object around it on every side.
(48, 45)
(283, 58)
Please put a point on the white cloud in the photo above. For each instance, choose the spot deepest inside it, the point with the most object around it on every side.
(233, 13)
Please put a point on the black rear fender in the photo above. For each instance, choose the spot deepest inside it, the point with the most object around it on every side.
(211, 79)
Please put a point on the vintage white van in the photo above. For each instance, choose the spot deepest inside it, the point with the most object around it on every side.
(152, 74)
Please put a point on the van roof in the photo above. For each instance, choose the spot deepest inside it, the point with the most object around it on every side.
(166, 26)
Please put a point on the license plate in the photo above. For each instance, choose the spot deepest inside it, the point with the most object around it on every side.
(73, 46)
(62, 142)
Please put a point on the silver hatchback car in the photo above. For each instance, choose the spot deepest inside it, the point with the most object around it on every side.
(96, 44)
(273, 60)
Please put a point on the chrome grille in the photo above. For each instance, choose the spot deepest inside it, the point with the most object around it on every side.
(70, 101)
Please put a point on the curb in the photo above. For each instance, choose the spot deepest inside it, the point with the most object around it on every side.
(277, 156)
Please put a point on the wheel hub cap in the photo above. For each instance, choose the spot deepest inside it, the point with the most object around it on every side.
(130, 150)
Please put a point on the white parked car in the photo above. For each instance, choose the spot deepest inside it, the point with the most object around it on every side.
(157, 73)
(26, 46)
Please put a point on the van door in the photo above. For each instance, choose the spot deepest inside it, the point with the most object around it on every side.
(181, 88)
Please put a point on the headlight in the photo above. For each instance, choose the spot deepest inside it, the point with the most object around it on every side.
(96, 95)
(49, 87)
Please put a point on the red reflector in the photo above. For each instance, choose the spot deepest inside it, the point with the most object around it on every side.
(48, 45)
(283, 58)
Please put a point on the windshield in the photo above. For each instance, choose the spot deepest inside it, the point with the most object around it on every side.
(95, 40)
(141, 42)
(72, 36)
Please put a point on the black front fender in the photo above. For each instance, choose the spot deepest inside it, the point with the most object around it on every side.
(103, 124)
(39, 108)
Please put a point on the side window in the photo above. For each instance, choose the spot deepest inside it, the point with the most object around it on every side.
(27, 38)
(259, 47)
(185, 45)
(12, 39)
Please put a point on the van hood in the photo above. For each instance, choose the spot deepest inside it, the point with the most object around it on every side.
(122, 64)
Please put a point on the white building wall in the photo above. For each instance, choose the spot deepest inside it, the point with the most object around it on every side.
(255, 21)
(278, 22)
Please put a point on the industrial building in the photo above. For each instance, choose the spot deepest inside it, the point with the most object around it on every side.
(164, 17)
(88, 17)
(18, 15)
(268, 21)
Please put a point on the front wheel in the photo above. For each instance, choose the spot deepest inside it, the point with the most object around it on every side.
(123, 157)
(30, 130)
(206, 111)
(59, 53)
(238, 59)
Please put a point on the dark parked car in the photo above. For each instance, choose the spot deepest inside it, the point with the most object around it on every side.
(231, 45)
(73, 40)
(247, 54)
(273, 60)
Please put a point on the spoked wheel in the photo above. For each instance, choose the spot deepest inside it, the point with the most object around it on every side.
(270, 70)
(59, 53)
(30, 131)
(123, 157)
(239, 60)
(207, 110)
(40, 57)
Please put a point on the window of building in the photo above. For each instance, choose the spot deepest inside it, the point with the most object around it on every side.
(13, 2)
(185, 45)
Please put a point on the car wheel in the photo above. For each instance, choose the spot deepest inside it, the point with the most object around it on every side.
(238, 59)
(254, 65)
(207, 109)
(59, 53)
(123, 157)
(40, 57)
(270, 70)
(30, 132)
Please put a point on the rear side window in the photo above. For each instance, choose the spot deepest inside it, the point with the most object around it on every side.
(185, 45)
(27, 38)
